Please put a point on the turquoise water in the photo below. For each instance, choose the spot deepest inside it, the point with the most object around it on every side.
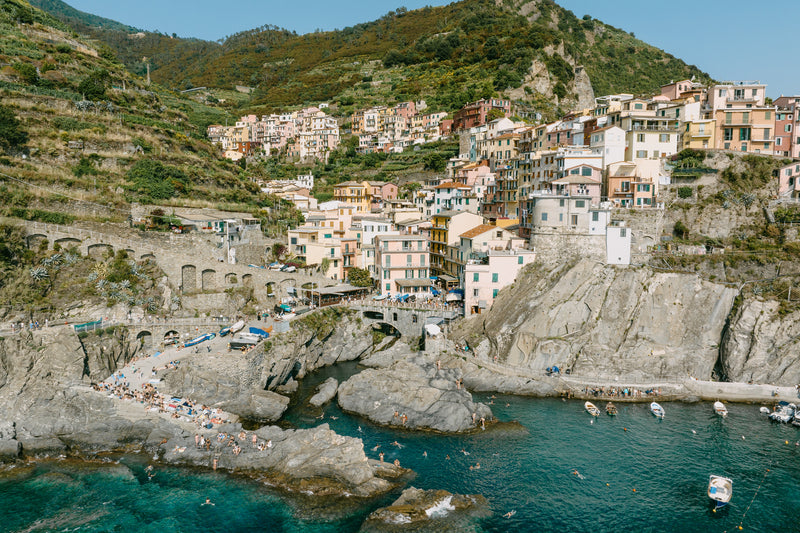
(526, 466)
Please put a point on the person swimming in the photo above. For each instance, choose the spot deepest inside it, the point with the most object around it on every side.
(208, 502)
(510, 514)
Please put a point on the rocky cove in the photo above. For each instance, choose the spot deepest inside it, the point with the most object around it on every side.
(604, 324)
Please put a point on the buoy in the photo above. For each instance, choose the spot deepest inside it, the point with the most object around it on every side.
(625, 429)
(634, 490)
(786, 442)
(607, 485)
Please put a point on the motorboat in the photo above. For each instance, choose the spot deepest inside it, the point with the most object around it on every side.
(224, 331)
(198, 340)
(611, 409)
(237, 327)
(784, 412)
(720, 409)
(764, 410)
(657, 410)
(592, 409)
(720, 490)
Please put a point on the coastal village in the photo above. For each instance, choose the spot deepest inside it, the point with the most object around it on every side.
(247, 326)
(516, 190)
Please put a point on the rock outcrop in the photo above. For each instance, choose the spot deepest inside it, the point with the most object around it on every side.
(244, 384)
(429, 398)
(761, 344)
(318, 458)
(428, 510)
(605, 322)
(325, 392)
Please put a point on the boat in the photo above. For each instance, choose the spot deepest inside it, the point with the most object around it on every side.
(720, 409)
(720, 490)
(611, 409)
(243, 340)
(657, 410)
(784, 412)
(237, 327)
(592, 409)
(764, 410)
(198, 340)
(258, 331)
(224, 331)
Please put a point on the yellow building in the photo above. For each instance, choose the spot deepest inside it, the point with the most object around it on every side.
(354, 193)
(699, 134)
(445, 238)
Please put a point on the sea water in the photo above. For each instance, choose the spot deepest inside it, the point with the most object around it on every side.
(549, 461)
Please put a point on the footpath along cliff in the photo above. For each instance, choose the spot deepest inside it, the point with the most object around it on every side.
(635, 324)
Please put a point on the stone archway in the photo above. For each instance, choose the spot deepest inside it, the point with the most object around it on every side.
(36, 240)
(271, 287)
(68, 242)
(231, 278)
(171, 333)
(286, 285)
(208, 279)
(188, 278)
(247, 279)
(99, 250)
(373, 315)
(147, 256)
(145, 339)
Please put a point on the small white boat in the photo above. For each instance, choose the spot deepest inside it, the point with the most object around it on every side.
(720, 409)
(592, 409)
(720, 490)
(764, 410)
(236, 328)
(657, 410)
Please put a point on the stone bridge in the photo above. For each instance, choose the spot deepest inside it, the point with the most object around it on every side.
(408, 319)
(152, 332)
(192, 264)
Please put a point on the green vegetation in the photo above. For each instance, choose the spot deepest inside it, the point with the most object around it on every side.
(152, 180)
(359, 277)
(448, 55)
(685, 192)
(11, 133)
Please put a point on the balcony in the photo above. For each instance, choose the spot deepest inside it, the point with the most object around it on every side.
(654, 128)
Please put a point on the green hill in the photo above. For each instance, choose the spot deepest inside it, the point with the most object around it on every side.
(72, 16)
(447, 55)
(82, 136)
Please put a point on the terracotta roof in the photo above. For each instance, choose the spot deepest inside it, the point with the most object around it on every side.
(451, 185)
(478, 230)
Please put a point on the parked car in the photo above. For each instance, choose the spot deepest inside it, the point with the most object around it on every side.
(288, 268)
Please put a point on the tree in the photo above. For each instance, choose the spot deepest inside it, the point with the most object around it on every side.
(278, 251)
(359, 277)
(11, 133)
(494, 114)
(435, 162)
(152, 179)
(324, 265)
(93, 86)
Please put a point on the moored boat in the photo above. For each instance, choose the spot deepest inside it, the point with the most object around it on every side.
(237, 327)
(784, 412)
(720, 409)
(611, 409)
(720, 490)
(764, 410)
(198, 340)
(657, 410)
(592, 409)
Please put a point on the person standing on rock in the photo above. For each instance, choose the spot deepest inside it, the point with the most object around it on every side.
(380, 456)
(196, 440)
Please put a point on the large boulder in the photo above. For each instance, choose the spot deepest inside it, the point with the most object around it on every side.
(428, 510)
(428, 396)
(317, 459)
(325, 392)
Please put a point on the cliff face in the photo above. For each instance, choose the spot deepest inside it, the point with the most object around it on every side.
(604, 322)
(761, 344)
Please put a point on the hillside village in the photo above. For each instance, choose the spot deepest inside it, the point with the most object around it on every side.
(516, 189)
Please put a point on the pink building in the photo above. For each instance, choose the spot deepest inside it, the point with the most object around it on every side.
(787, 122)
(580, 180)
(402, 263)
(789, 181)
(484, 279)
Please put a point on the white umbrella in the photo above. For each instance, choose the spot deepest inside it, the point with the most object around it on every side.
(432, 329)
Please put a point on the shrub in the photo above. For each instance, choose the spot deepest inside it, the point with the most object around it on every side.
(11, 133)
(685, 192)
(680, 230)
(93, 87)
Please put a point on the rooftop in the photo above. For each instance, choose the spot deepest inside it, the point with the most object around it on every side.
(478, 230)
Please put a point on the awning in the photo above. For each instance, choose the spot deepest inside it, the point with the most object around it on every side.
(413, 282)
(448, 278)
(432, 330)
